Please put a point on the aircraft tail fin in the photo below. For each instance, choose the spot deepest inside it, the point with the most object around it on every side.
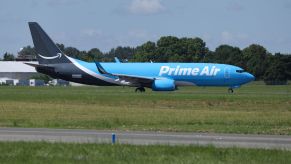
(47, 50)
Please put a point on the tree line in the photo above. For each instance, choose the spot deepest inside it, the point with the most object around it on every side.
(272, 68)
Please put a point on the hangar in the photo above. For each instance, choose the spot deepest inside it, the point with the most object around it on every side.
(19, 73)
(16, 70)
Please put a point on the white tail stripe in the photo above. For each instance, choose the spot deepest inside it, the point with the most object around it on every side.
(92, 73)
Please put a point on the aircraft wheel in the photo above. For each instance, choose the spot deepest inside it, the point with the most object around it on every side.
(140, 89)
(230, 90)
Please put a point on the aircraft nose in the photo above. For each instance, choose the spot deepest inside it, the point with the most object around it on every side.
(250, 77)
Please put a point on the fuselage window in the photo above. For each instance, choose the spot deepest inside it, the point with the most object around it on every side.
(240, 71)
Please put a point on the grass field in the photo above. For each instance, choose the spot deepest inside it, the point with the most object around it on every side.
(254, 108)
(41, 152)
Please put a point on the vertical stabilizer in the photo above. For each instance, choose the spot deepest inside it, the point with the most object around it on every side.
(46, 49)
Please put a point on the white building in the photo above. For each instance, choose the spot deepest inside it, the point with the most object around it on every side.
(19, 73)
(16, 70)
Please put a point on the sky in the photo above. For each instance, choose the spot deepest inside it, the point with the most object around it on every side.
(106, 24)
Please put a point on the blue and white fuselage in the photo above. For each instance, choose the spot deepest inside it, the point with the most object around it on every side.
(183, 74)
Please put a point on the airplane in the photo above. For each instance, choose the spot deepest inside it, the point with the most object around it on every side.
(156, 76)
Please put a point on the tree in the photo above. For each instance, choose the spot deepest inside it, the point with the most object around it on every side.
(123, 53)
(72, 52)
(255, 59)
(94, 55)
(286, 63)
(172, 49)
(8, 57)
(27, 53)
(209, 57)
(146, 52)
(276, 73)
(227, 54)
(61, 47)
(193, 49)
(166, 47)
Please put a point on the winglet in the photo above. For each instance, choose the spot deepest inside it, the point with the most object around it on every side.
(101, 69)
(116, 60)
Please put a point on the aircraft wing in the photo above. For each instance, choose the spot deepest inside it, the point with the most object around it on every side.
(135, 80)
(128, 79)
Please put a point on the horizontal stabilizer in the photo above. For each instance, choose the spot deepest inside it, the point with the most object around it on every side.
(33, 65)
(38, 65)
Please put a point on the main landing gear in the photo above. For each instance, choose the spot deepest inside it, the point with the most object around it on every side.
(140, 89)
(230, 90)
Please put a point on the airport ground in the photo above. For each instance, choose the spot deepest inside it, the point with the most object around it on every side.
(252, 109)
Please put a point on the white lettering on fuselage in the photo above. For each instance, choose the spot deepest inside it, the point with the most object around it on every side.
(180, 71)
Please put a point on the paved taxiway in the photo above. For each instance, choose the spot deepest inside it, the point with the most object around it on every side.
(145, 138)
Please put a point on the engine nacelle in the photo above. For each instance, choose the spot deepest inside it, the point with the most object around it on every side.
(163, 85)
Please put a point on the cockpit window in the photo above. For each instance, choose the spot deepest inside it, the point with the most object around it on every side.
(240, 71)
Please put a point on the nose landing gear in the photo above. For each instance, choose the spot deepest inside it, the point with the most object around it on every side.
(230, 90)
(140, 89)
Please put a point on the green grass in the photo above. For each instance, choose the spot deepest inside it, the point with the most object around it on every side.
(42, 152)
(255, 108)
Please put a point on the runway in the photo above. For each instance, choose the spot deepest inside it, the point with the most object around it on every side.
(145, 138)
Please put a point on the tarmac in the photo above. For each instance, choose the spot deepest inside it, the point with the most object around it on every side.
(146, 138)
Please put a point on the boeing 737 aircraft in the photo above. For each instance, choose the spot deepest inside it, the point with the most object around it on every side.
(157, 76)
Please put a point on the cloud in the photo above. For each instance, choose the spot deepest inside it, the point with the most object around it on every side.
(235, 6)
(287, 5)
(237, 39)
(146, 7)
(91, 32)
(105, 41)
(141, 34)
(133, 37)
(226, 37)
(54, 3)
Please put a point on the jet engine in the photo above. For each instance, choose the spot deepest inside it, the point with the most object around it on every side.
(163, 85)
